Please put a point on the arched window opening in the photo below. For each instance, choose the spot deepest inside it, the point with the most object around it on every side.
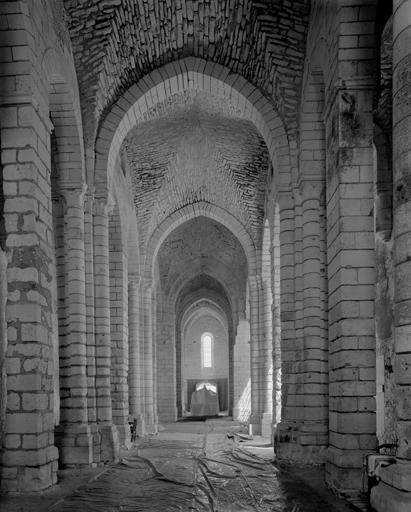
(207, 350)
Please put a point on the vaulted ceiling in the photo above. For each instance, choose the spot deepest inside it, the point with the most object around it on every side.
(191, 147)
(200, 150)
(203, 247)
(117, 42)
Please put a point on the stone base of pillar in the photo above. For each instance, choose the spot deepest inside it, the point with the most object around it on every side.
(168, 416)
(294, 444)
(344, 471)
(124, 436)
(109, 446)
(237, 413)
(95, 434)
(75, 443)
(267, 425)
(393, 493)
(18, 479)
(151, 423)
(295, 452)
(254, 427)
(385, 498)
(141, 426)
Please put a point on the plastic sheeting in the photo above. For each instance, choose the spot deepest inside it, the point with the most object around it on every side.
(216, 475)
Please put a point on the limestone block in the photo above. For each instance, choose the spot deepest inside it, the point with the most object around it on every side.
(385, 498)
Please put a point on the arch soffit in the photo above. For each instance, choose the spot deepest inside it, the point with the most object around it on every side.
(120, 218)
(202, 304)
(213, 270)
(200, 209)
(221, 300)
(318, 62)
(65, 114)
(118, 191)
(210, 310)
(178, 76)
(314, 76)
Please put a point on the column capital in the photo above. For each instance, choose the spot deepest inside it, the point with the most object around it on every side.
(146, 282)
(104, 205)
(297, 195)
(311, 188)
(89, 200)
(255, 281)
(74, 196)
(134, 280)
(100, 205)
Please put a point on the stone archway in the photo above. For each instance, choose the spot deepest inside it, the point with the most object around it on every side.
(189, 73)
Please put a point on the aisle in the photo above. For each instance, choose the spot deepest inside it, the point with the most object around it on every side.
(196, 466)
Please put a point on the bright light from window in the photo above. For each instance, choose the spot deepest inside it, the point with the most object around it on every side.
(207, 350)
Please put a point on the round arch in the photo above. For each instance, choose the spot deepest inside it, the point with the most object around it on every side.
(229, 288)
(187, 301)
(179, 76)
(199, 307)
(200, 209)
(215, 321)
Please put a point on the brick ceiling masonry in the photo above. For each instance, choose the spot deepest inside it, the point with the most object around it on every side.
(191, 146)
(204, 247)
(199, 151)
(117, 42)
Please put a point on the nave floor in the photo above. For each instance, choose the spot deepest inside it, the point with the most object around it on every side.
(189, 466)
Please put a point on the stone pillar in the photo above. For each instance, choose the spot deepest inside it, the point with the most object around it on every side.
(90, 336)
(297, 361)
(3, 341)
(314, 428)
(150, 417)
(276, 317)
(242, 380)
(276, 363)
(285, 437)
(166, 359)
(109, 447)
(73, 436)
(154, 345)
(134, 373)
(119, 330)
(351, 283)
(28, 459)
(394, 493)
(266, 357)
(254, 283)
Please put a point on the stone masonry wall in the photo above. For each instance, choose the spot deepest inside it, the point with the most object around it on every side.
(191, 348)
(29, 456)
(156, 34)
(197, 292)
(350, 247)
(45, 259)
(166, 359)
(340, 45)
(241, 378)
(119, 326)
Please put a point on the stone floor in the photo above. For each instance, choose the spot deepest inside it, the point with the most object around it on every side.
(198, 466)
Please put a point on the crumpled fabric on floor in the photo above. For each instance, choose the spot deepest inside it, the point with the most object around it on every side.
(213, 473)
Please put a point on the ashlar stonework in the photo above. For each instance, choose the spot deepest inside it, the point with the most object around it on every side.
(235, 168)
